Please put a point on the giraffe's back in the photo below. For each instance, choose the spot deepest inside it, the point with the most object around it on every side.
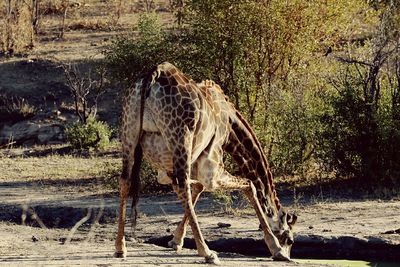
(174, 103)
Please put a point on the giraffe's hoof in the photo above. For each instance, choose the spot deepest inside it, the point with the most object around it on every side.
(174, 245)
(120, 254)
(212, 259)
(279, 256)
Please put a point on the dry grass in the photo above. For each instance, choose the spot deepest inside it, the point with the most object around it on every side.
(92, 24)
(94, 171)
(52, 167)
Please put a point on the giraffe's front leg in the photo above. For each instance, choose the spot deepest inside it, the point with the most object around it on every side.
(270, 239)
(184, 195)
(181, 184)
(120, 247)
(179, 234)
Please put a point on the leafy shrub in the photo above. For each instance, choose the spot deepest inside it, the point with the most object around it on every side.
(93, 134)
(362, 137)
(345, 138)
(128, 57)
(110, 174)
(294, 130)
(148, 177)
(223, 198)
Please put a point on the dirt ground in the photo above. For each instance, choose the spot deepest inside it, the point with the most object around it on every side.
(51, 239)
(18, 249)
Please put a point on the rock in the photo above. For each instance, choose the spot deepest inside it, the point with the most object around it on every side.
(35, 239)
(162, 9)
(223, 225)
(31, 132)
(390, 232)
(48, 133)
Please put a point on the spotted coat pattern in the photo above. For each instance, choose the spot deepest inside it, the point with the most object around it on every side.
(184, 128)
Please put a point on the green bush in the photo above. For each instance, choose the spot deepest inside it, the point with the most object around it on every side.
(110, 173)
(362, 137)
(93, 134)
(294, 129)
(129, 57)
(148, 177)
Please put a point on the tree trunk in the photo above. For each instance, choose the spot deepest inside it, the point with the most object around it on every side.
(35, 16)
(8, 43)
(61, 35)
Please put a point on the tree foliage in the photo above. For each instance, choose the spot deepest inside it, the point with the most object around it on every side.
(363, 139)
(282, 64)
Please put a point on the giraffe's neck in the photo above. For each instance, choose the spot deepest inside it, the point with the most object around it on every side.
(247, 152)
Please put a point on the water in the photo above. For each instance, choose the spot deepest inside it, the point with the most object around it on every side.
(349, 263)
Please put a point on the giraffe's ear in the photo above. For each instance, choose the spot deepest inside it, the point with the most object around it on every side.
(291, 219)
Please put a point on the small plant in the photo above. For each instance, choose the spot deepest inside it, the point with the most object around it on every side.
(14, 109)
(223, 198)
(110, 174)
(92, 134)
(148, 176)
(297, 197)
(112, 171)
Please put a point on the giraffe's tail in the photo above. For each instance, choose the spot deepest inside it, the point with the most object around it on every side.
(134, 189)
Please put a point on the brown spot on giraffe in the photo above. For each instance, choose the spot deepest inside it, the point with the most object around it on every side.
(184, 129)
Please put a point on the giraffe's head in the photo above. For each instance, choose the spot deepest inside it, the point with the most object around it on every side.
(282, 227)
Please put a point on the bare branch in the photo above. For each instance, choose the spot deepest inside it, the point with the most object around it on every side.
(352, 61)
(85, 90)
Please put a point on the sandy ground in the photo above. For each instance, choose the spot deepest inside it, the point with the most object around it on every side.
(18, 249)
(93, 244)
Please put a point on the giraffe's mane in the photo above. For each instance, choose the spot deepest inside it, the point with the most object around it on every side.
(210, 85)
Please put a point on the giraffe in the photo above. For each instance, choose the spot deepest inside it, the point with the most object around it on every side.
(183, 128)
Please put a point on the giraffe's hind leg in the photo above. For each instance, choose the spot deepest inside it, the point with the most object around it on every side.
(120, 246)
(179, 234)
